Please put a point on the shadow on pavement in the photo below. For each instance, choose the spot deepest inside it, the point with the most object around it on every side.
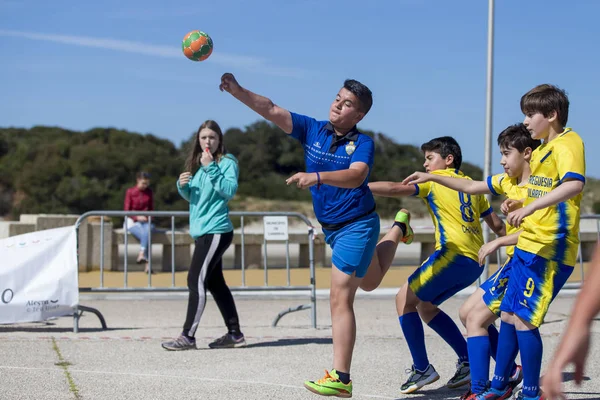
(291, 342)
(570, 376)
(50, 328)
(437, 394)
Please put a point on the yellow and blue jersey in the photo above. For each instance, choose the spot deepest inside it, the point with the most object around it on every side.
(553, 232)
(502, 184)
(455, 215)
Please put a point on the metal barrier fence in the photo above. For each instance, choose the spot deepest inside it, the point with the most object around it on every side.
(311, 288)
(582, 242)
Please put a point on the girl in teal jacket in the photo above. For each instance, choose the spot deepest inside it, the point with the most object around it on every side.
(209, 184)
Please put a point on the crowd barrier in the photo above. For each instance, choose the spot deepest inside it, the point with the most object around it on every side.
(98, 244)
(172, 239)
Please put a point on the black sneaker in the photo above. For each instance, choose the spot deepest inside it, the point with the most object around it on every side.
(181, 343)
(461, 377)
(228, 341)
(417, 379)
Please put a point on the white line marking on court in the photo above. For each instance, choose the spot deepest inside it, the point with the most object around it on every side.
(196, 378)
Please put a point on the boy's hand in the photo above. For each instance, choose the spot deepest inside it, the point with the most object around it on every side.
(229, 84)
(303, 180)
(417, 177)
(509, 205)
(486, 250)
(515, 218)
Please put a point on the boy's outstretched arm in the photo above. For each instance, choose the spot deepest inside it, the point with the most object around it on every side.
(392, 189)
(567, 190)
(461, 185)
(259, 104)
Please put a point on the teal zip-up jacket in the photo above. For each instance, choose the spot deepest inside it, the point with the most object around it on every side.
(208, 192)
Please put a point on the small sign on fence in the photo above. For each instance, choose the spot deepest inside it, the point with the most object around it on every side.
(276, 228)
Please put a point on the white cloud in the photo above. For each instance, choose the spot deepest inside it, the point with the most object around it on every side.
(250, 63)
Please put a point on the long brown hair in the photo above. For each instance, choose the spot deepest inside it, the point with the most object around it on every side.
(193, 160)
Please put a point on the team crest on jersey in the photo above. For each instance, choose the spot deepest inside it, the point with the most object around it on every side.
(350, 147)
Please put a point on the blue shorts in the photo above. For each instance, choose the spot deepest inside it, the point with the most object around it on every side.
(442, 275)
(534, 283)
(353, 245)
(495, 287)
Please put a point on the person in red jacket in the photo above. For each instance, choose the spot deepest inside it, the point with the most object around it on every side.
(140, 198)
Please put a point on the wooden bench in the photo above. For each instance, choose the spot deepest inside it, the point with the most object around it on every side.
(253, 253)
(90, 247)
(253, 248)
(181, 248)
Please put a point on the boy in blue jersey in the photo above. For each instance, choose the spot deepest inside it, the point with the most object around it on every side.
(547, 247)
(482, 308)
(338, 162)
(451, 268)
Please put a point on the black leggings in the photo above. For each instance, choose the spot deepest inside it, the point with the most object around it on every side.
(206, 273)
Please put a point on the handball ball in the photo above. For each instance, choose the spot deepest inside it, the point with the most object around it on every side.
(197, 46)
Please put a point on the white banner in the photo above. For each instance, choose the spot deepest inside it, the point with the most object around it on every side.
(38, 275)
(276, 228)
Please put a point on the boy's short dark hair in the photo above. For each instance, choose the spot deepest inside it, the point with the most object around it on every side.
(545, 99)
(518, 137)
(363, 93)
(445, 146)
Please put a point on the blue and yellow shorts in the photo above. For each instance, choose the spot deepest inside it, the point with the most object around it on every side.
(442, 275)
(534, 283)
(495, 287)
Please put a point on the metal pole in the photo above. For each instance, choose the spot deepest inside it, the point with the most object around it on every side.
(126, 253)
(287, 260)
(172, 251)
(243, 255)
(487, 166)
(265, 261)
(579, 250)
(149, 251)
(101, 251)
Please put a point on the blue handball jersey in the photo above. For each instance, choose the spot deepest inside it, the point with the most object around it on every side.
(324, 151)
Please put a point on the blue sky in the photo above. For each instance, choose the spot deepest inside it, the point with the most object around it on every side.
(81, 64)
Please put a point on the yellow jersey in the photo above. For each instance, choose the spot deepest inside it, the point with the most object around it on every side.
(455, 215)
(502, 184)
(553, 232)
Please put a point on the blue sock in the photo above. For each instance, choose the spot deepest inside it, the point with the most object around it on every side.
(530, 344)
(344, 377)
(508, 346)
(412, 327)
(479, 361)
(493, 334)
(447, 329)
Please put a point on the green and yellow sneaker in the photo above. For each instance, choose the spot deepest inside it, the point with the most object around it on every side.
(403, 217)
(330, 385)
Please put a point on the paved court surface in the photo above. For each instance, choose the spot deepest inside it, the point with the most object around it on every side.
(47, 361)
